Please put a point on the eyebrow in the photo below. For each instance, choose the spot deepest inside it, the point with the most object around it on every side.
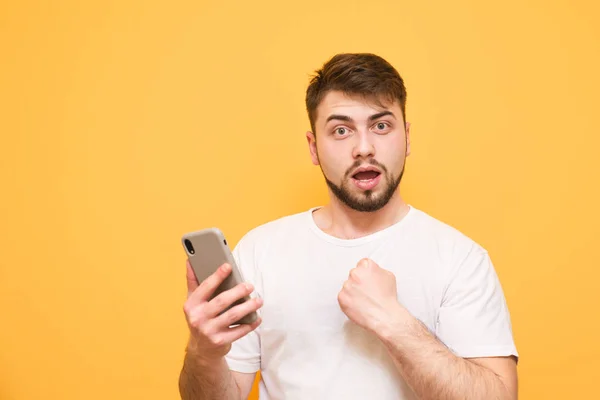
(346, 118)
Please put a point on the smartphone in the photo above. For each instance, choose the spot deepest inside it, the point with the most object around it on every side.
(207, 250)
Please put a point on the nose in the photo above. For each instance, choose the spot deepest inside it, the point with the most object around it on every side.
(364, 146)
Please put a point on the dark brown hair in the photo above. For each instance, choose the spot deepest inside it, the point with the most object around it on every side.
(362, 74)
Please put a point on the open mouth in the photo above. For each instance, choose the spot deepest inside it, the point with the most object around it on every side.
(366, 180)
(366, 175)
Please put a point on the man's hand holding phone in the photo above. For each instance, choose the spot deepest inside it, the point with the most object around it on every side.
(211, 331)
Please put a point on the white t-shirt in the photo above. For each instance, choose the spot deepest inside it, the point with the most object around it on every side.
(307, 348)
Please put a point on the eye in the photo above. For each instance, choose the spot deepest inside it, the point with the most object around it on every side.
(341, 131)
(382, 127)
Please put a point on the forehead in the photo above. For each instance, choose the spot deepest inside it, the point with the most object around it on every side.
(355, 106)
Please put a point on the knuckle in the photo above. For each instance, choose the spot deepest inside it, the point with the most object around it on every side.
(243, 288)
(217, 340)
(233, 316)
(205, 331)
(219, 302)
(223, 270)
(190, 309)
(196, 315)
(196, 319)
(215, 279)
(237, 291)
(203, 285)
(238, 312)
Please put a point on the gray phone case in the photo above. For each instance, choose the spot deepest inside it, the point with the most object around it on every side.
(210, 252)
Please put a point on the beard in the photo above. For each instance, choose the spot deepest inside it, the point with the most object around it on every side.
(367, 200)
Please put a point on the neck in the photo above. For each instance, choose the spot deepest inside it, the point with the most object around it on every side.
(339, 220)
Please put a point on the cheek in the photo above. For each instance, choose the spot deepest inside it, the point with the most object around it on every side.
(331, 160)
(392, 155)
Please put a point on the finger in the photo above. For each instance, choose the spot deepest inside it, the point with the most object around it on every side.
(372, 264)
(236, 313)
(341, 297)
(192, 282)
(208, 286)
(365, 263)
(356, 274)
(224, 300)
(352, 273)
(347, 287)
(233, 334)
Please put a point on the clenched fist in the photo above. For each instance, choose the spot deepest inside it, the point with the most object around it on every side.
(369, 296)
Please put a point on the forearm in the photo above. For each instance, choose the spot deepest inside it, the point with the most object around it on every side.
(434, 372)
(201, 380)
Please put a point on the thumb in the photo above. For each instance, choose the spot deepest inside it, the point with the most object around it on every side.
(192, 282)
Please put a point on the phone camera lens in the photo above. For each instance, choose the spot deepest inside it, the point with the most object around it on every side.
(189, 247)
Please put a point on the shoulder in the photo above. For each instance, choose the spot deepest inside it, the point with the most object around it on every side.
(260, 236)
(429, 225)
(445, 238)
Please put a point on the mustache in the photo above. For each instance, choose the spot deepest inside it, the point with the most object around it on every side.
(372, 162)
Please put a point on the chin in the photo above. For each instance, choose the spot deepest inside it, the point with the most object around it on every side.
(361, 200)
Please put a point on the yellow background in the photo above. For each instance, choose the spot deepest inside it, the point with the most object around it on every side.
(126, 124)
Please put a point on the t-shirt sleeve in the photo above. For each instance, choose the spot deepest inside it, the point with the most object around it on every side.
(244, 355)
(474, 319)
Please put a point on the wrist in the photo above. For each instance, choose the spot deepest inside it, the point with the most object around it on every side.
(398, 324)
(200, 355)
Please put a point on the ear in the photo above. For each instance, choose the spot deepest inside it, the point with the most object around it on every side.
(312, 147)
(407, 139)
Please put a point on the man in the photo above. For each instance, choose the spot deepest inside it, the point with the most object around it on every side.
(366, 297)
